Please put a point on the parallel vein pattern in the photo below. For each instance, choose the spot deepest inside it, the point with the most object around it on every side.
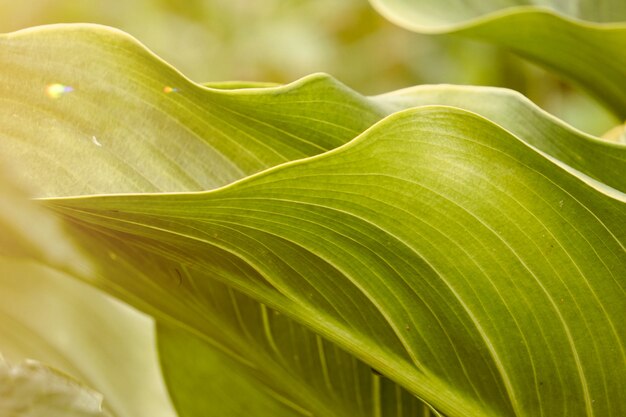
(125, 109)
(509, 297)
(471, 258)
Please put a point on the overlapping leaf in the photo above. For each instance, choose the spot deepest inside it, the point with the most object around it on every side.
(80, 331)
(88, 93)
(314, 95)
(583, 40)
(516, 286)
(477, 264)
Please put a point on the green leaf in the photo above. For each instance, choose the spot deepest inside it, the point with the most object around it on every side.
(476, 263)
(202, 377)
(284, 112)
(144, 127)
(593, 156)
(582, 40)
(198, 138)
(502, 302)
(276, 366)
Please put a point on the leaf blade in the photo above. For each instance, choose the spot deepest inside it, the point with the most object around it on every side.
(233, 238)
(336, 229)
(574, 45)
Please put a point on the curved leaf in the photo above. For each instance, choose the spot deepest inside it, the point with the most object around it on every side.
(284, 112)
(572, 38)
(142, 125)
(503, 302)
(595, 157)
(448, 15)
(197, 138)
(383, 246)
(287, 371)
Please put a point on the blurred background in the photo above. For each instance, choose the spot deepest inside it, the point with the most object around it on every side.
(282, 40)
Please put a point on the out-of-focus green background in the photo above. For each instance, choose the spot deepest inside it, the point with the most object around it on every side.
(282, 40)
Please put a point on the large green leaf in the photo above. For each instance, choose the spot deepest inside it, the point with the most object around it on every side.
(504, 301)
(87, 93)
(290, 113)
(583, 40)
(131, 136)
(470, 261)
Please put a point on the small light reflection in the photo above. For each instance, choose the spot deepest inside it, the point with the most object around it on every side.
(57, 90)
(167, 89)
